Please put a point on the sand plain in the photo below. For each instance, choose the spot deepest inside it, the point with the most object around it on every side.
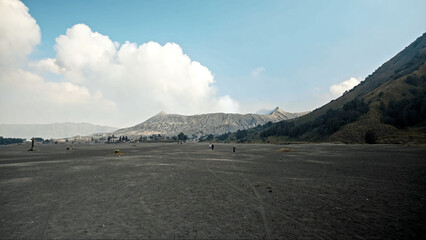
(169, 190)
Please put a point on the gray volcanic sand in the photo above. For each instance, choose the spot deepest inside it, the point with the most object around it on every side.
(159, 190)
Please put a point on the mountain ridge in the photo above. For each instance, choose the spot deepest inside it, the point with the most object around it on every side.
(202, 124)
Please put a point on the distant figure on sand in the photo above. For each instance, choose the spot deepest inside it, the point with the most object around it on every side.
(32, 144)
(212, 146)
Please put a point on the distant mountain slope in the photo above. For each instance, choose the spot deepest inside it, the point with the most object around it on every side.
(201, 125)
(388, 106)
(54, 130)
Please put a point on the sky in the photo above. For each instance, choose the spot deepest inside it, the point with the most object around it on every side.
(118, 63)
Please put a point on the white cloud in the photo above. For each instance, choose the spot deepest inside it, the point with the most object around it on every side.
(323, 97)
(82, 50)
(27, 98)
(257, 71)
(47, 65)
(141, 79)
(338, 89)
(19, 33)
(101, 81)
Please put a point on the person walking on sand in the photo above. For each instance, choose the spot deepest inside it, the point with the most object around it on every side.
(212, 146)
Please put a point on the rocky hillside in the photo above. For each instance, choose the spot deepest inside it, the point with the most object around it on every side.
(202, 125)
(54, 130)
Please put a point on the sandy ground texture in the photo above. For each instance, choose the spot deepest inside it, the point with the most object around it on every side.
(159, 190)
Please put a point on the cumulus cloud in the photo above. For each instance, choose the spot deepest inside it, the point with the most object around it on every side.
(47, 65)
(19, 32)
(257, 71)
(26, 97)
(323, 97)
(141, 79)
(102, 81)
(338, 89)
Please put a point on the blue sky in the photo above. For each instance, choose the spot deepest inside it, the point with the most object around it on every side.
(261, 53)
(304, 46)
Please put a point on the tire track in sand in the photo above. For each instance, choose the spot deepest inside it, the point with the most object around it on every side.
(256, 198)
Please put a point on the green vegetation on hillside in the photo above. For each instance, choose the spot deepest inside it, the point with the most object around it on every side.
(405, 113)
(323, 125)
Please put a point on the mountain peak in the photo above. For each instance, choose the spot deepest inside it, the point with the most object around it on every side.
(277, 109)
(270, 112)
